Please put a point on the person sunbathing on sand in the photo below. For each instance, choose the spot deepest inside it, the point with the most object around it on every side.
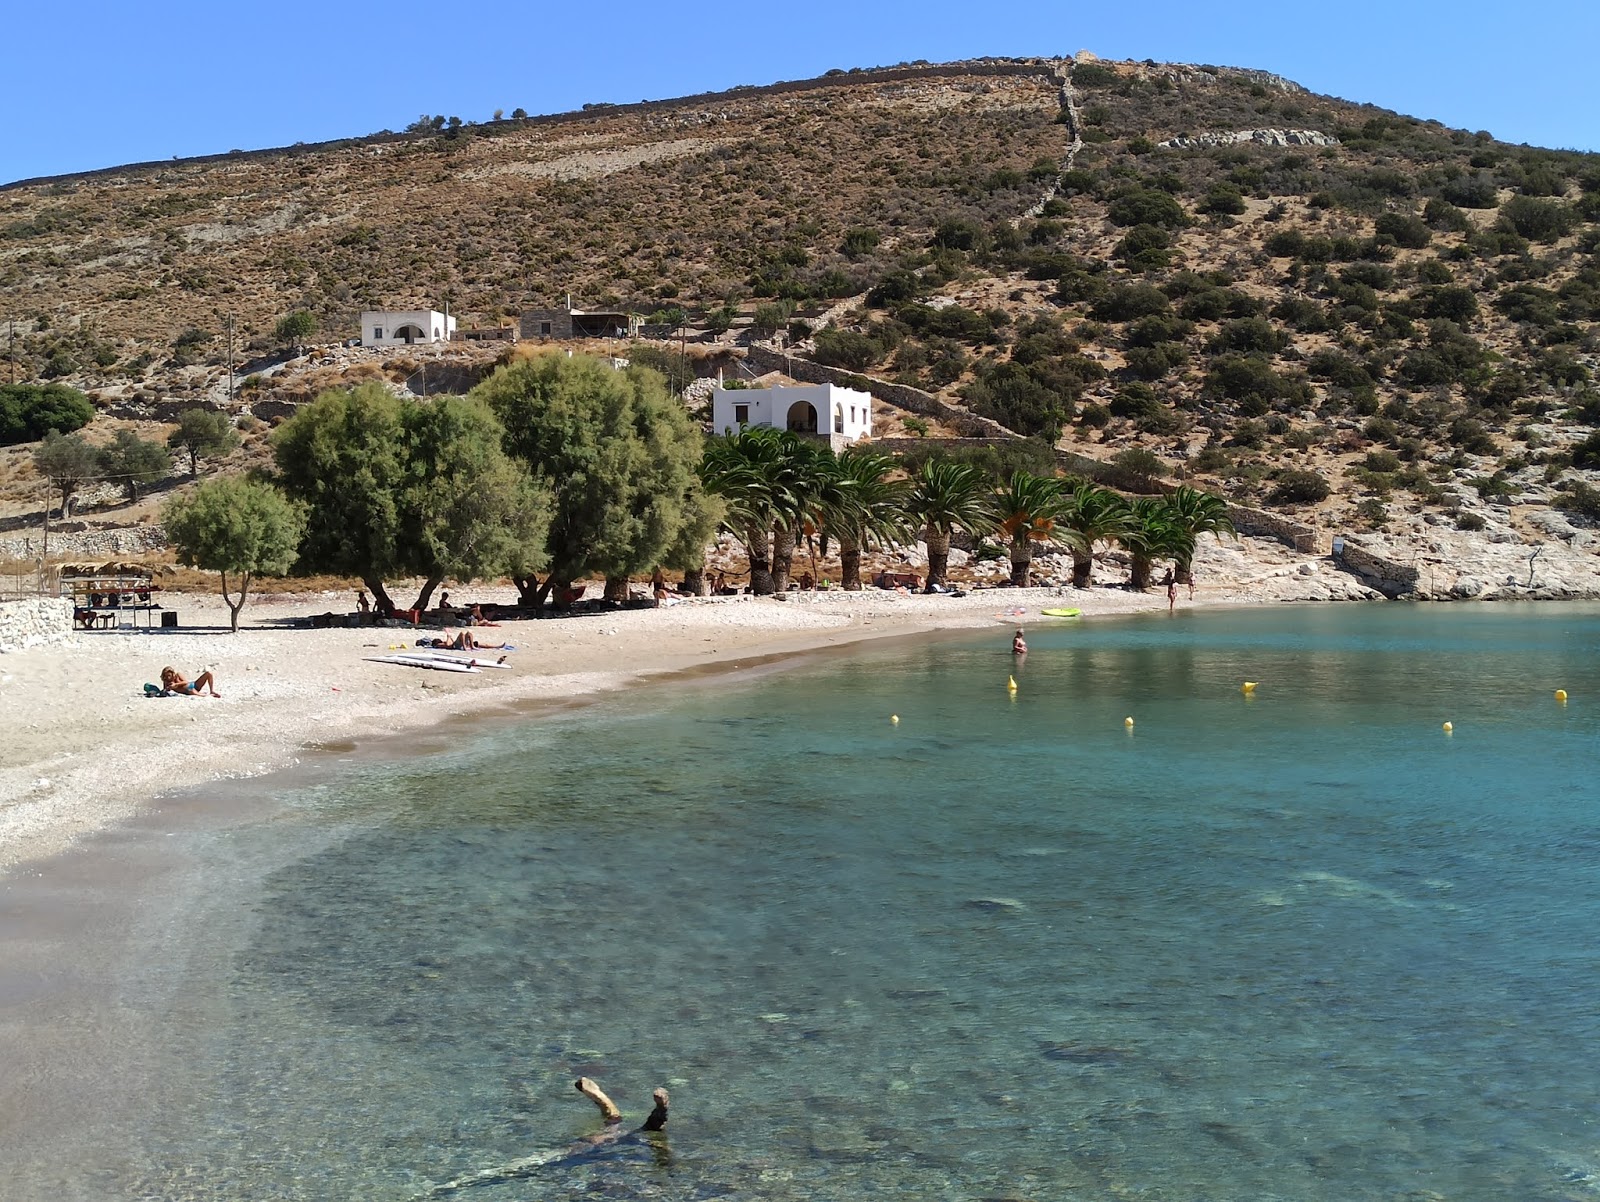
(172, 681)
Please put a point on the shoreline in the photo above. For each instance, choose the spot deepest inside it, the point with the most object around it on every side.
(85, 749)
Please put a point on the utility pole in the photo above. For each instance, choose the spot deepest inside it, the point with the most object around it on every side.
(230, 358)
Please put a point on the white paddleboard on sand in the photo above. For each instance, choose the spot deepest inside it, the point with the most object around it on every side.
(416, 661)
(481, 659)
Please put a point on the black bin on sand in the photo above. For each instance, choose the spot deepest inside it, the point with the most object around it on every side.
(169, 617)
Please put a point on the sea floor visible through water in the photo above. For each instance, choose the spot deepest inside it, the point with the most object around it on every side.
(1299, 943)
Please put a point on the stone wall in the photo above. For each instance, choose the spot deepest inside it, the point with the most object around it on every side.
(1389, 577)
(85, 542)
(901, 396)
(1261, 524)
(34, 621)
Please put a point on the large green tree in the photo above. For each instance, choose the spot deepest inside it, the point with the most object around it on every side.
(617, 454)
(202, 434)
(235, 525)
(29, 411)
(468, 510)
(403, 487)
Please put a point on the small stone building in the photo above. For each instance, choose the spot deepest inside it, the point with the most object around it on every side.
(568, 323)
(841, 415)
(405, 327)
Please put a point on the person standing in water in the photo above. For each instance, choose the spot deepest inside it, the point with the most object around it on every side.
(1019, 645)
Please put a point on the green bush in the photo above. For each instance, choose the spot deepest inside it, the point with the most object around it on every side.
(28, 411)
(1146, 206)
(1156, 362)
(1538, 220)
(1251, 382)
(1247, 335)
(1094, 75)
(1223, 199)
(1470, 192)
(1295, 486)
(1125, 302)
(1587, 453)
(847, 349)
(1404, 229)
(1469, 521)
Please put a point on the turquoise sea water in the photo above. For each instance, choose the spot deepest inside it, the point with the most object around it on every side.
(1300, 945)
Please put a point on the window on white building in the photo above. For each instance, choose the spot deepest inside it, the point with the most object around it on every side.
(377, 332)
(741, 414)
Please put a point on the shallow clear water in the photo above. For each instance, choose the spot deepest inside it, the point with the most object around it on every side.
(1300, 945)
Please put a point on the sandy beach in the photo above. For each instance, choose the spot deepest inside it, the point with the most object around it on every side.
(85, 747)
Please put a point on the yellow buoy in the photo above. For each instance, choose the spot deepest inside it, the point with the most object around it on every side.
(1448, 727)
(1248, 686)
(1561, 695)
(1127, 722)
(894, 719)
(1011, 683)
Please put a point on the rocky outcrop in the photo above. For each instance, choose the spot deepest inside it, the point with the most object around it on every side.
(1256, 137)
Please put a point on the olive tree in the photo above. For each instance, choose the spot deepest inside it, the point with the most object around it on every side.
(202, 434)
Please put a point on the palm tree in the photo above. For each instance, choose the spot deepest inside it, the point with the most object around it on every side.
(1094, 514)
(1195, 513)
(746, 470)
(1149, 535)
(946, 495)
(1028, 509)
(859, 505)
(800, 475)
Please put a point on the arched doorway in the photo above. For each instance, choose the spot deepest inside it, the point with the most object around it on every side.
(802, 417)
(409, 334)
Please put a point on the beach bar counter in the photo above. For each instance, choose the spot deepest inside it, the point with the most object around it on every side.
(112, 596)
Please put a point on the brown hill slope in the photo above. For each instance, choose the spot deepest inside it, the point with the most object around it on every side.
(1270, 290)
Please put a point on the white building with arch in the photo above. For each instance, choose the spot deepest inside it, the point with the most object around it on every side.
(841, 415)
(405, 327)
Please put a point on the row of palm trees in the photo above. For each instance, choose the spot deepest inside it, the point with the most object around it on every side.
(782, 492)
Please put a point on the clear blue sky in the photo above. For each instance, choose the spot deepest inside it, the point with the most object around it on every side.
(98, 84)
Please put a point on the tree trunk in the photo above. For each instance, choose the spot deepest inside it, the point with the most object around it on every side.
(938, 554)
(695, 581)
(554, 587)
(528, 593)
(235, 606)
(782, 558)
(759, 549)
(616, 588)
(1139, 572)
(1021, 561)
(426, 595)
(194, 461)
(1184, 569)
(1082, 568)
(850, 564)
(381, 604)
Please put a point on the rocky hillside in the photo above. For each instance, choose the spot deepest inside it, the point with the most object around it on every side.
(1370, 321)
